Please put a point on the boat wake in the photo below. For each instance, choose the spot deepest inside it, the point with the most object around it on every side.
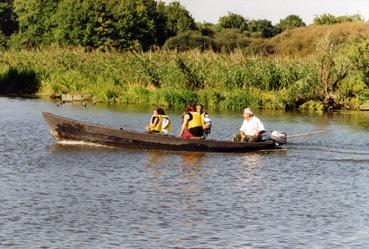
(80, 143)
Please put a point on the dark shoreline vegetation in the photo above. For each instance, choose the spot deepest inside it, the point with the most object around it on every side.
(144, 52)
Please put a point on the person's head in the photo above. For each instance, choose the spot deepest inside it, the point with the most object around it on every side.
(199, 108)
(247, 113)
(190, 108)
(160, 111)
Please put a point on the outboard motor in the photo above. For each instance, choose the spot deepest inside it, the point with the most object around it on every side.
(279, 137)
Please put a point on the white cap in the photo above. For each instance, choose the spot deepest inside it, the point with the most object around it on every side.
(248, 111)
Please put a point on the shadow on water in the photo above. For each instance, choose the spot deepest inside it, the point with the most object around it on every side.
(19, 82)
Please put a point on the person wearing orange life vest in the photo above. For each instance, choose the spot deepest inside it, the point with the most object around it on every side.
(159, 122)
(192, 124)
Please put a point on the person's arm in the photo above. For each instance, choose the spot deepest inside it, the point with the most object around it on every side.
(184, 123)
(260, 129)
(154, 122)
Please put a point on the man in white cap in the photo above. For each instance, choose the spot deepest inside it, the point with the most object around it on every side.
(251, 128)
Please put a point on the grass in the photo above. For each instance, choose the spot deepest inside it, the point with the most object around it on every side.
(167, 78)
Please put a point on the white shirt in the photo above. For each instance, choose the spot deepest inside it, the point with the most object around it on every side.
(164, 126)
(252, 126)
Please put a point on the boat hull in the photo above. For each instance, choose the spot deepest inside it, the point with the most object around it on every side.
(63, 128)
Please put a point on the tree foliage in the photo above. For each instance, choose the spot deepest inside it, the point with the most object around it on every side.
(107, 25)
(8, 20)
(191, 40)
(331, 19)
(36, 21)
(117, 25)
(233, 21)
(360, 59)
(263, 27)
(290, 22)
(100, 24)
(178, 19)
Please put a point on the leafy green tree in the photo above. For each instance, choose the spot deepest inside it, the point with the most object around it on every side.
(331, 19)
(359, 56)
(190, 40)
(178, 19)
(290, 22)
(353, 18)
(231, 39)
(107, 25)
(332, 70)
(8, 20)
(233, 21)
(207, 29)
(262, 27)
(36, 21)
(162, 31)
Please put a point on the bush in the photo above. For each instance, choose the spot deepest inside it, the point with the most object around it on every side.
(19, 81)
(3, 40)
(238, 100)
(191, 40)
(230, 39)
(331, 19)
(175, 98)
(312, 106)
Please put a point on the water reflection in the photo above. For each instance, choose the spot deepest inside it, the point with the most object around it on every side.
(193, 159)
(251, 160)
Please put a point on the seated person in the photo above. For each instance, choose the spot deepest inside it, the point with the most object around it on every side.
(205, 120)
(159, 122)
(252, 128)
(192, 124)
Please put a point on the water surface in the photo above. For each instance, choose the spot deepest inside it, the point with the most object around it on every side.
(312, 194)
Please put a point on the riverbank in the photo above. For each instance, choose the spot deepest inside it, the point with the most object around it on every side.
(170, 79)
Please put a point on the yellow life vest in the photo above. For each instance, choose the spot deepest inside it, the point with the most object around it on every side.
(159, 126)
(196, 120)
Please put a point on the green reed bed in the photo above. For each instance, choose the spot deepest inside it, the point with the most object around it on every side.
(219, 80)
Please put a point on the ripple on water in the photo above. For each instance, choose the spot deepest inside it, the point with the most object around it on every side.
(313, 194)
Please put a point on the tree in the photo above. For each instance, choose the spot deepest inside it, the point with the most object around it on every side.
(233, 21)
(231, 39)
(8, 20)
(360, 59)
(178, 19)
(263, 27)
(290, 22)
(206, 28)
(36, 21)
(332, 70)
(107, 25)
(329, 19)
(191, 40)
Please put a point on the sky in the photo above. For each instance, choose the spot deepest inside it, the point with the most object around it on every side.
(273, 10)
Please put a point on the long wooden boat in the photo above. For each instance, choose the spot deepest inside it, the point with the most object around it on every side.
(66, 129)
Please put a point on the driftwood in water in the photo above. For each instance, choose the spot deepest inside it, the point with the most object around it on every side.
(75, 98)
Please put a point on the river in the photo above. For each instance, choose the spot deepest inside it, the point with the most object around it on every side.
(314, 193)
